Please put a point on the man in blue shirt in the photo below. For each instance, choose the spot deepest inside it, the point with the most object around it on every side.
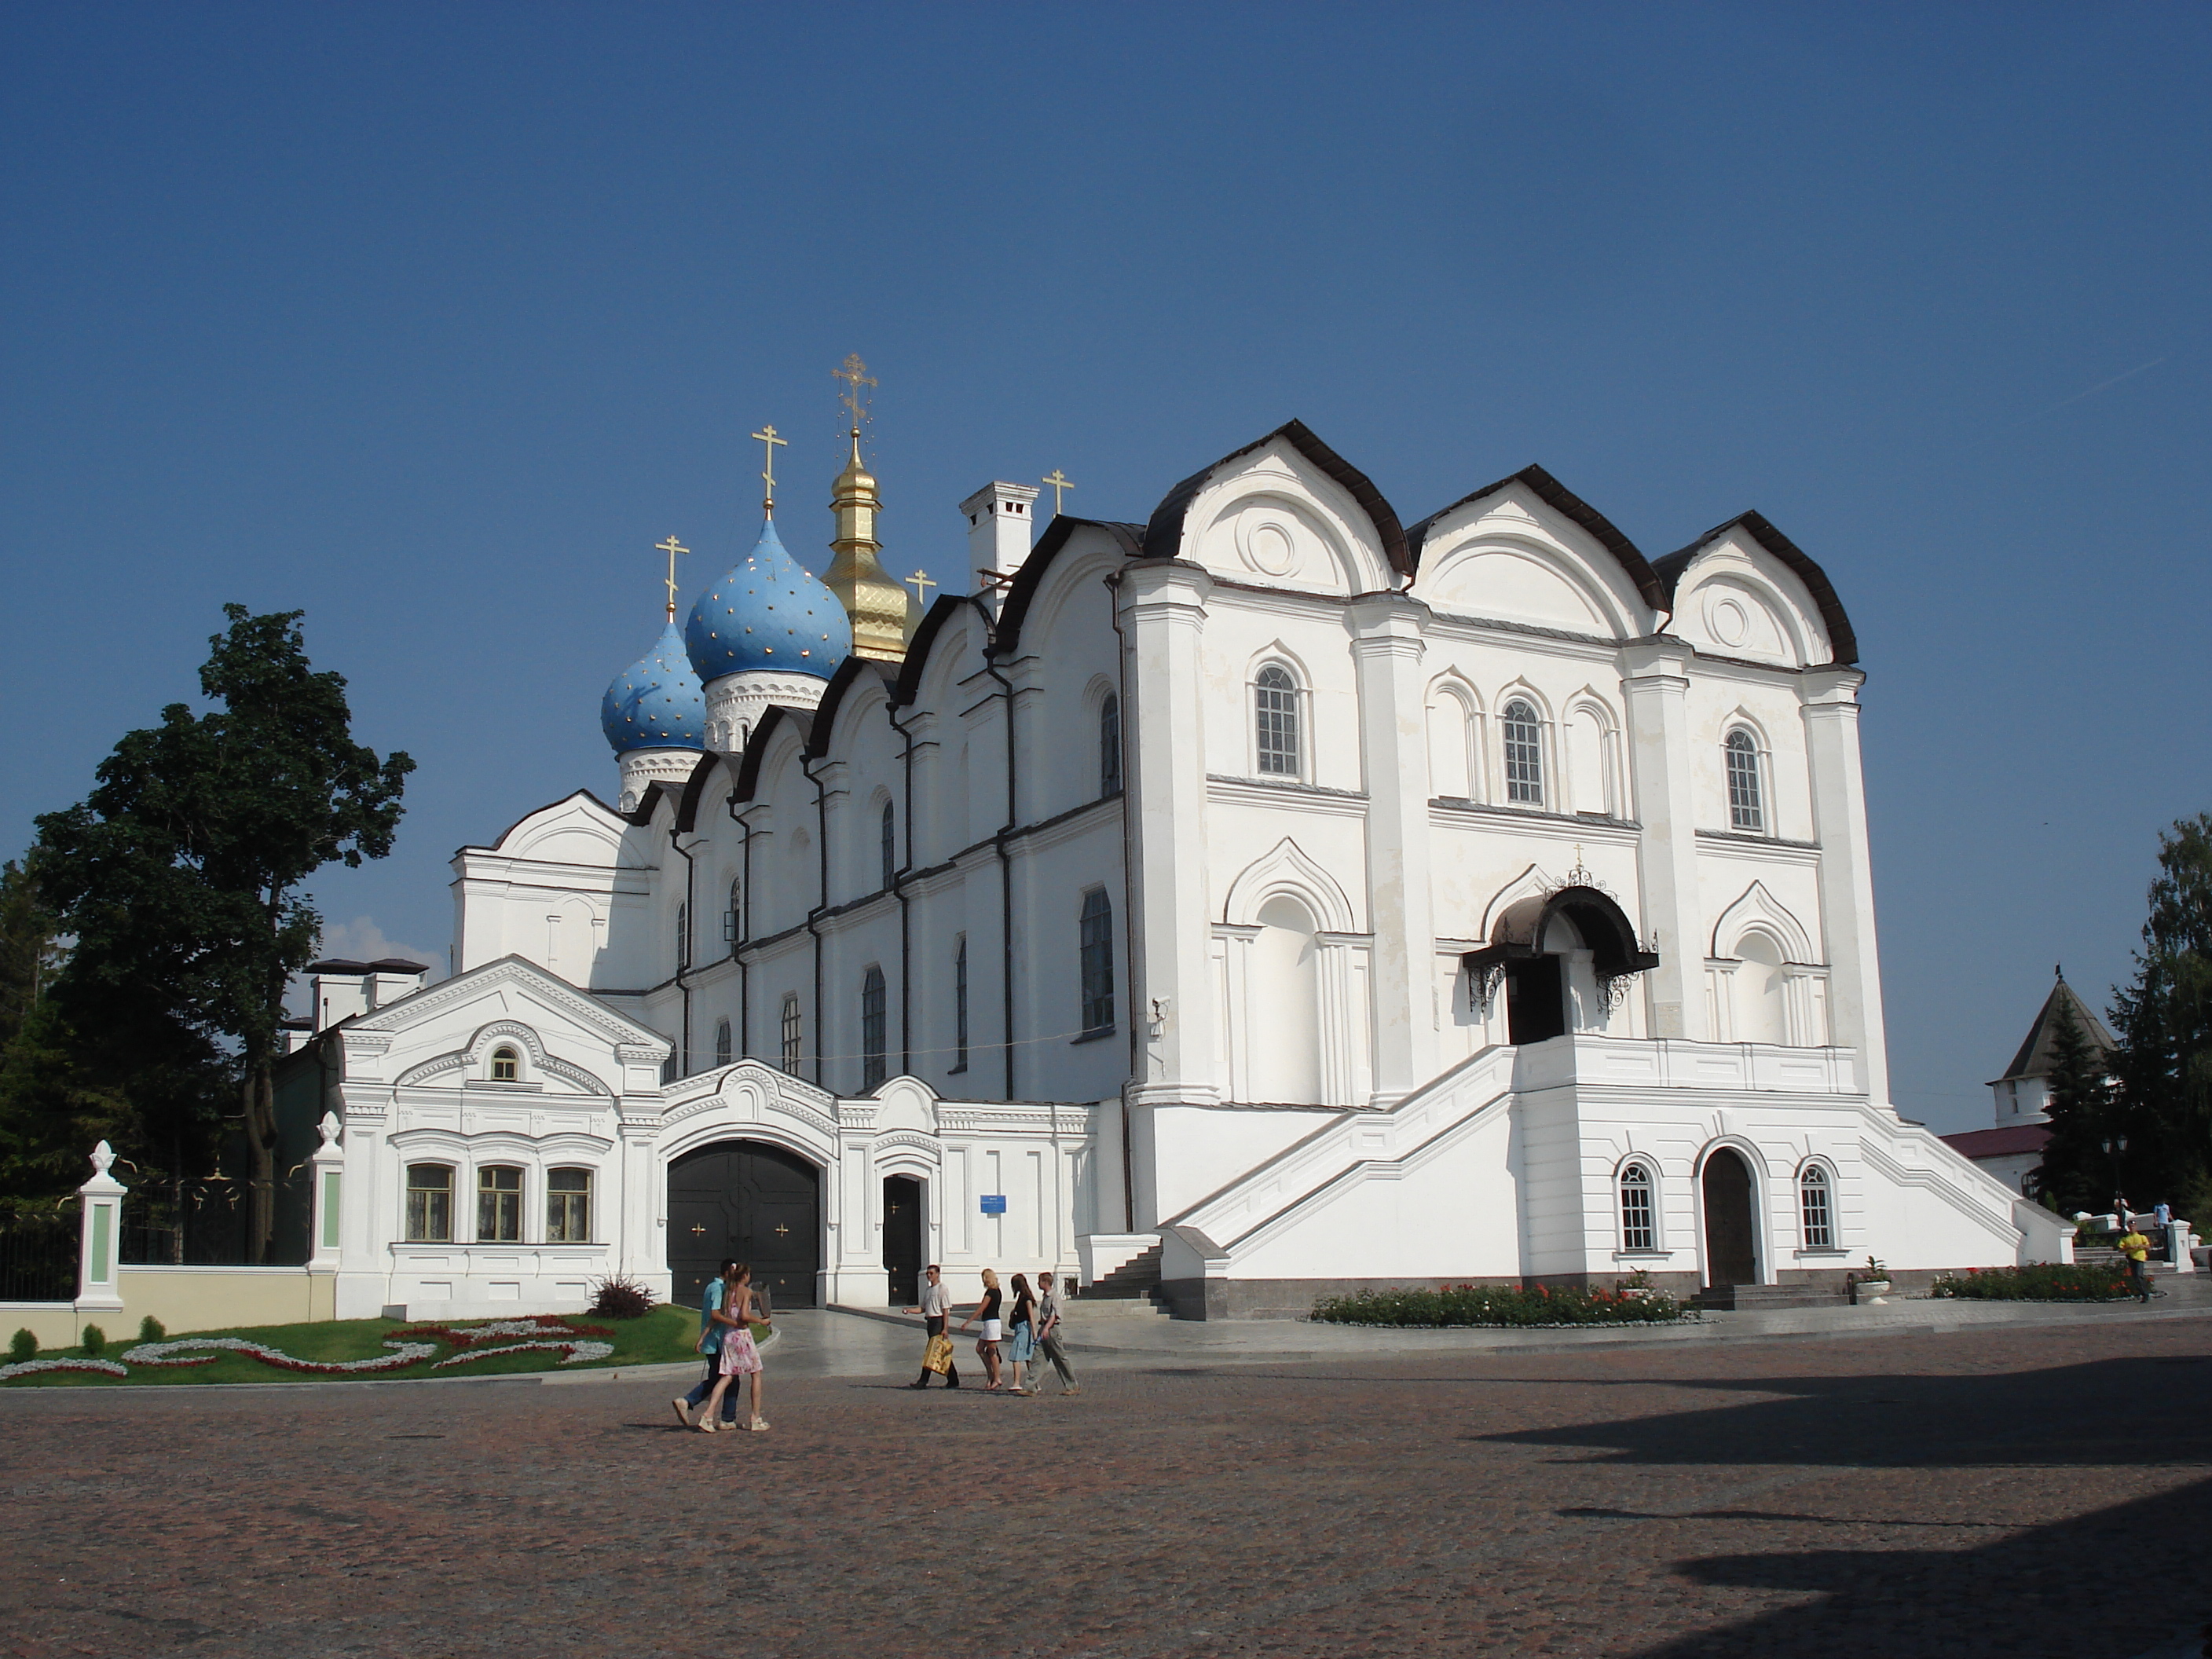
(710, 1344)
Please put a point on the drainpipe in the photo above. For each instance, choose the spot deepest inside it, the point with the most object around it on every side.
(1132, 912)
(814, 915)
(898, 887)
(1006, 873)
(683, 950)
(737, 944)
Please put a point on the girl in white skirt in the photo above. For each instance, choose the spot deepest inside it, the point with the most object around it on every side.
(741, 1309)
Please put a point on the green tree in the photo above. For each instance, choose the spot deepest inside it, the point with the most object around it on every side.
(180, 875)
(30, 948)
(2163, 1020)
(2076, 1171)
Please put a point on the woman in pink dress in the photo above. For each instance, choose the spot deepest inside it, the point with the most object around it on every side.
(741, 1311)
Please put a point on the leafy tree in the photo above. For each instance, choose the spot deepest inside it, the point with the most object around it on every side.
(30, 948)
(180, 875)
(2075, 1169)
(2163, 1023)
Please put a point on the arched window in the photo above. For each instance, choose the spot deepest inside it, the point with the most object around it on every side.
(791, 1034)
(1275, 712)
(1524, 754)
(1639, 1226)
(1746, 804)
(1814, 1207)
(430, 1204)
(682, 937)
(1097, 949)
(889, 845)
(873, 1022)
(733, 919)
(960, 1007)
(568, 1206)
(1109, 746)
(722, 1042)
(499, 1204)
(506, 1065)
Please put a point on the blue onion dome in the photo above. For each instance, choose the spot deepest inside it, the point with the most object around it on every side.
(656, 702)
(769, 612)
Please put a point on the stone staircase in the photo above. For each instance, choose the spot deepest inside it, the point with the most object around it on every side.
(1765, 1298)
(1133, 1289)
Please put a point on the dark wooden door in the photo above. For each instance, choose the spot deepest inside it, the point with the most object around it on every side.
(902, 1237)
(1535, 1000)
(1731, 1258)
(759, 1204)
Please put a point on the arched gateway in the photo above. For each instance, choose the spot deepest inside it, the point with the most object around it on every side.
(758, 1203)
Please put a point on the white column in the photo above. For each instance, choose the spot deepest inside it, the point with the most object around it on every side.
(325, 1243)
(1657, 683)
(1840, 825)
(1386, 653)
(100, 1237)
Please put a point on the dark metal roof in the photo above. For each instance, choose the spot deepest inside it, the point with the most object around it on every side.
(853, 671)
(1605, 931)
(1015, 610)
(749, 766)
(1997, 1143)
(1842, 639)
(1562, 500)
(1163, 535)
(2033, 1059)
(933, 622)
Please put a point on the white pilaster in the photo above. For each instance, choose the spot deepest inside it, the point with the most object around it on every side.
(1831, 743)
(1386, 653)
(1657, 683)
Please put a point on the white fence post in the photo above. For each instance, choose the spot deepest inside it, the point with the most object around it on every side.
(329, 1161)
(100, 1241)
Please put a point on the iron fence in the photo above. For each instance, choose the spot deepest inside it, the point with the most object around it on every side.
(38, 1257)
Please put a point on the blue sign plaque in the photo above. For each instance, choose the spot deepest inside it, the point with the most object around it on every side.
(994, 1204)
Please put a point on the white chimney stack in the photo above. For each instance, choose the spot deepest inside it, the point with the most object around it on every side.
(1001, 524)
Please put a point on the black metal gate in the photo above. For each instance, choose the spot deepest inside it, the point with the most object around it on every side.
(759, 1204)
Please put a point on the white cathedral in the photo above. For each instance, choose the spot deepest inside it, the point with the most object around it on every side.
(1268, 898)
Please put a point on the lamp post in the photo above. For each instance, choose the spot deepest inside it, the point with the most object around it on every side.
(2116, 1148)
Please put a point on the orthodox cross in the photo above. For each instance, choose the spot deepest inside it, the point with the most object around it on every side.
(672, 547)
(920, 582)
(1058, 483)
(855, 376)
(767, 435)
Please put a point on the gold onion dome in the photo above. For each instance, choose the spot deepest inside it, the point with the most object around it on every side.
(877, 606)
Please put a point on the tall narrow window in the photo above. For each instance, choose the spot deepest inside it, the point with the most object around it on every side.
(1747, 807)
(871, 1027)
(1819, 1214)
(499, 1205)
(1109, 746)
(722, 1042)
(1524, 755)
(733, 919)
(1638, 1231)
(505, 1065)
(430, 1204)
(790, 1034)
(890, 846)
(682, 937)
(568, 1206)
(1097, 961)
(960, 1007)
(1275, 711)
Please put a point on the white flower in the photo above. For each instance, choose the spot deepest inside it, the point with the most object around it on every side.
(578, 1353)
(206, 1350)
(27, 1367)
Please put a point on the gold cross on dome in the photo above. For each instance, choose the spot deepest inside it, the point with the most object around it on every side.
(767, 435)
(1058, 483)
(855, 375)
(672, 547)
(920, 582)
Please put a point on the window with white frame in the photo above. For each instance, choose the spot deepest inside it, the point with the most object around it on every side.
(1746, 800)
(790, 1034)
(499, 1204)
(1096, 948)
(1524, 754)
(568, 1206)
(430, 1204)
(506, 1065)
(1275, 716)
(1639, 1229)
(873, 1019)
(1816, 1208)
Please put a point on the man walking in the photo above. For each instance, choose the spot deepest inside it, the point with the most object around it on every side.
(2135, 1248)
(711, 1331)
(1048, 1338)
(935, 1309)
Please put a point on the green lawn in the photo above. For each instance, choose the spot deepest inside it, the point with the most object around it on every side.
(666, 1333)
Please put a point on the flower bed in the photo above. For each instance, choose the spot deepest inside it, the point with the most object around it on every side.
(206, 1350)
(576, 1353)
(1502, 1305)
(2048, 1281)
(36, 1367)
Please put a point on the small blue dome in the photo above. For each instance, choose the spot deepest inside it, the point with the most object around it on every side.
(769, 612)
(656, 702)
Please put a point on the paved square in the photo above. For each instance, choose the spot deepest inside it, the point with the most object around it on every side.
(1998, 1492)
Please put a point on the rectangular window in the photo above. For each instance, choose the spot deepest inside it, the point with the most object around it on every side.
(569, 1206)
(791, 1036)
(1524, 756)
(1275, 716)
(873, 1019)
(1819, 1223)
(499, 1205)
(1638, 1231)
(1747, 807)
(430, 1204)
(1096, 963)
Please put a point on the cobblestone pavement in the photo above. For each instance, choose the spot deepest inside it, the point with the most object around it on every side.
(1990, 1491)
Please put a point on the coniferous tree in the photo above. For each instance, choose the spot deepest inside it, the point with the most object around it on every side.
(2163, 1020)
(179, 876)
(2075, 1171)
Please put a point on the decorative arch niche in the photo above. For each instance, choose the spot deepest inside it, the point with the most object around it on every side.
(1292, 977)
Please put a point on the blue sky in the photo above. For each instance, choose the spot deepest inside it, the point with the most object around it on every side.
(430, 320)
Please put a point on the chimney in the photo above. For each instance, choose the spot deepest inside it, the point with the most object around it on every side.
(340, 990)
(1001, 524)
(392, 978)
